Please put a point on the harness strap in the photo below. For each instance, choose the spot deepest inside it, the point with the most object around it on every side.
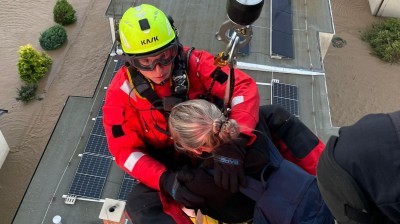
(142, 86)
(188, 53)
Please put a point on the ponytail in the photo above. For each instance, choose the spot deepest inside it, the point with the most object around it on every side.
(198, 123)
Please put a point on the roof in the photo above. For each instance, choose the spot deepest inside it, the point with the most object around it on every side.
(197, 21)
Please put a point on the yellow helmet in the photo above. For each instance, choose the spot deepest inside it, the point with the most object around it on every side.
(144, 29)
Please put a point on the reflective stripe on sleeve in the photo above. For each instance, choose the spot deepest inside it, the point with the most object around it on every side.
(237, 100)
(127, 88)
(132, 160)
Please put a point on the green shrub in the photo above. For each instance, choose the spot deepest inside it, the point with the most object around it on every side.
(32, 65)
(384, 39)
(26, 93)
(64, 13)
(53, 38)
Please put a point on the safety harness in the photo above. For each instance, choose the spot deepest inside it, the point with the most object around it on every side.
(179, 84)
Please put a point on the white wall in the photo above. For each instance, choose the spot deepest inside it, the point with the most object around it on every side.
(390, 8)
(385, 8)
(4, 149)
(374, 5)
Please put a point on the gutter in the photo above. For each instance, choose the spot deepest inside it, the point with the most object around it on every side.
(267, 68)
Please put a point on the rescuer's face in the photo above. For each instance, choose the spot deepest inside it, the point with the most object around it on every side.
(156, 68)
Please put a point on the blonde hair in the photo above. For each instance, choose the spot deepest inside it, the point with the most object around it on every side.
(199, 123)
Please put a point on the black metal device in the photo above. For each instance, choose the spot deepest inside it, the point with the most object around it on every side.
(236, 32)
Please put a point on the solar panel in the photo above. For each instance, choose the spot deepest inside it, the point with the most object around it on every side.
(95, 163)
(87, 186)
(126, 186)
(97, 145)
(118, 65)
(282, 5)
(100, 112)
(280, 22)
(90, 176)
(287, 96)
(98, 128)
(282, 29)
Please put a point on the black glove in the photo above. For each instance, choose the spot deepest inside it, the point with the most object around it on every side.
(228, 165)
(173, 183)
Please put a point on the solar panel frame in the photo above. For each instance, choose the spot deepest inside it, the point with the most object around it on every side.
(287, 96)
(94, 165)
(90, 176)
(98, 128)
(126, 186)
(87, 186)
(118, 65)
(100, 112)
(282, 5)
(282, 29)
(282, 44)
(93, 168)
(97, 145)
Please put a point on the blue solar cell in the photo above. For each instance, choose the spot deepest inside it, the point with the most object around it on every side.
(94, 165)
(285, 91)
(282, 22)
(282, 44)
(97, 145)
(287, 96)
(288, 104)
(282, 29)
(87, 186)
(100, 112)
(127, 176)
(98, 128)
(126, 186)
(90, 176)
(118, 65)
(282, 5)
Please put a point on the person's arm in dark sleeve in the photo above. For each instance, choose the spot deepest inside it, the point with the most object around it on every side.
(296, 142)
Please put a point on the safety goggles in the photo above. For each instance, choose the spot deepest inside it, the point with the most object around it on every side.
(148, 62)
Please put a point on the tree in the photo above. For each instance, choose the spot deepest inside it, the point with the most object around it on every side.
(53, 38)
(26, 93)
(32, 65)
(64, 13)
(384, 39)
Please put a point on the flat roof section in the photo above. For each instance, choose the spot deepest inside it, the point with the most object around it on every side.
(197, 21)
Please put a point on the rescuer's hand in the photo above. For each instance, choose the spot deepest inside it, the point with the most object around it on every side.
(228, 165)
(173, 183)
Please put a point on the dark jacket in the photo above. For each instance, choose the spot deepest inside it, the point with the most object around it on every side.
(369, 151)
(295, 142)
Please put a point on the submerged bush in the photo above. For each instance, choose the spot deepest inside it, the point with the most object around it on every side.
(64, 13)
(26, 93)
(384, 39)
(32, 65)
(53, 38)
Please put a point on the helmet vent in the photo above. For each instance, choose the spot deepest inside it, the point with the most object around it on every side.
(144, 24)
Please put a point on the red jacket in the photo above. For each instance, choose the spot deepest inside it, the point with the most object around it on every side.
(129, 124)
